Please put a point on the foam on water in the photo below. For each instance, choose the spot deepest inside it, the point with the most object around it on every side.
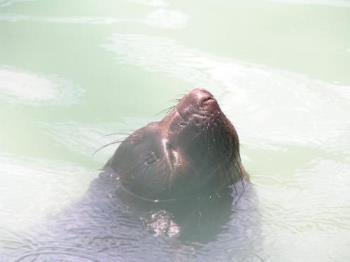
(5, 3)
(167, 19)
(162, 18)
(331, 3)
(153, 3)
(268, 106)
(156, 3)
(35, 89)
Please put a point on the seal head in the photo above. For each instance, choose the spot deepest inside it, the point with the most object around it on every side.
(194, 149)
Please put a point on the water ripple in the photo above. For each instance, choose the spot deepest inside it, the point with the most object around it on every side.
(268, 106)
(33, 188)
(162, 18)
(17, 86)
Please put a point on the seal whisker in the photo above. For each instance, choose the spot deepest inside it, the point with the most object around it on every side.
(176, 100)
(165, 110)
(106, 145)
(180, 96)
(117, 133)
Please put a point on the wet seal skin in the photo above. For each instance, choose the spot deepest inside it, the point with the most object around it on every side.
(193, 150)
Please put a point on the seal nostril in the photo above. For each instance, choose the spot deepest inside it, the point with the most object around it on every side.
(206, 100)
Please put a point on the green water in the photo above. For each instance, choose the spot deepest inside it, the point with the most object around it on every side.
(73, 71)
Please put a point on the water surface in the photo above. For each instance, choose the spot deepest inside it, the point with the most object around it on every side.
(72, 72)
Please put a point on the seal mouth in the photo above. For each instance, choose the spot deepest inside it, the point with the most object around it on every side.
(208, 99)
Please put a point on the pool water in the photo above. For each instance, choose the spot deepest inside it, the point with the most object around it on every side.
(72, 72)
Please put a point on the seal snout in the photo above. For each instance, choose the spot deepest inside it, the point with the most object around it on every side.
(201, 96)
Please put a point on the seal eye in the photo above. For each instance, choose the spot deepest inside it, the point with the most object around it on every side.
(151, 158)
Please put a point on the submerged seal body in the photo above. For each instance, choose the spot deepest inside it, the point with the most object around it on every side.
(193, 149)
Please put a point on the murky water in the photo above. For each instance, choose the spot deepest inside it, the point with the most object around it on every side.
(73, 71)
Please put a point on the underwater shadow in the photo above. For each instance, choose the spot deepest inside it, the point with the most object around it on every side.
(108, 224)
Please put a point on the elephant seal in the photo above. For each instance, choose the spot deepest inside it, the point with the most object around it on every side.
(194, 149)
